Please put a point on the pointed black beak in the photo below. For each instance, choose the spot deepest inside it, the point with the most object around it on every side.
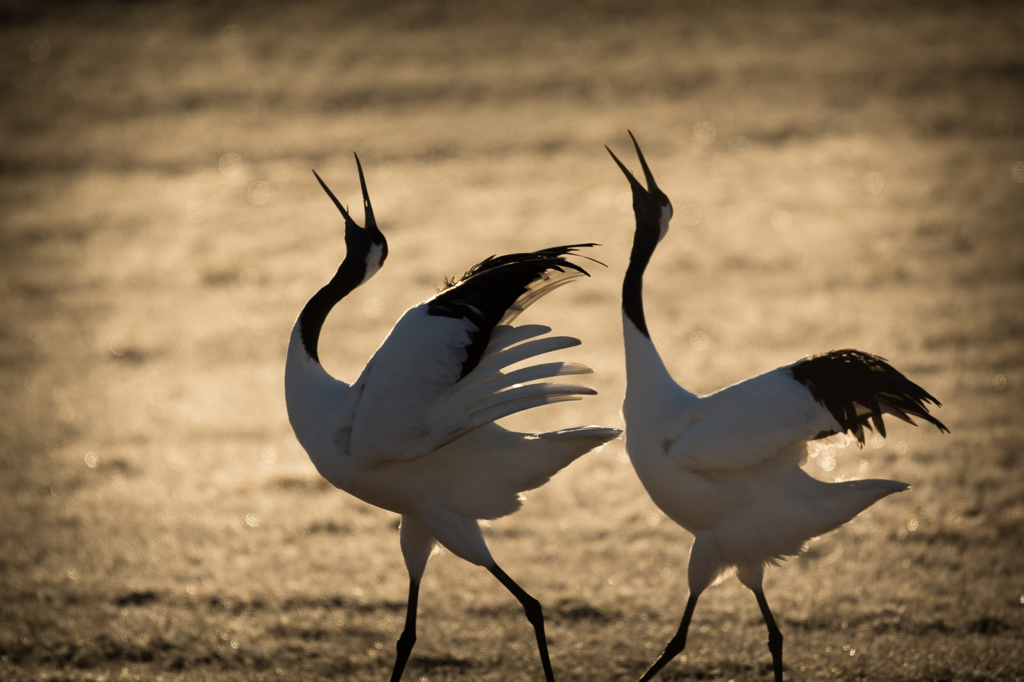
(371, 222)
(634, 183)
(348, 218)
(651, 184)
(625, 171)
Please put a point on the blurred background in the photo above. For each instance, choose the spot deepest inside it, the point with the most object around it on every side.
(844, 175)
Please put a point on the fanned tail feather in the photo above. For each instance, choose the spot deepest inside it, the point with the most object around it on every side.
(490, 295)
(494, 383)
(461, 422)
(495, 362)
(488, 395)
(505, 336)
(526, 392)
(570, 444)
(538, 288)
(598, 434)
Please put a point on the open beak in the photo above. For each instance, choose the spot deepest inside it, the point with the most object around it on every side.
(348, 218)
(634, 183)
(371, 223)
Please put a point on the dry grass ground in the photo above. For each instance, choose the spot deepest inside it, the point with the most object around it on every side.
(854, 172)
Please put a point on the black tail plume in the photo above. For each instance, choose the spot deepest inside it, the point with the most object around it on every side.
(843, 380)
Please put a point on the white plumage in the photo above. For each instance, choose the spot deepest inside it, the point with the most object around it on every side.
(726, 466)
(415, 433)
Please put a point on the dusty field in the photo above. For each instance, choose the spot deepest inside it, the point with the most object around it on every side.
(842, 177)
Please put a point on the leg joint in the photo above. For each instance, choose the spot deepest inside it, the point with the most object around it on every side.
(534, 612)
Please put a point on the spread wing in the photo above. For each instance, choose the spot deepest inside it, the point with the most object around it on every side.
(441, 372)
(819, 396)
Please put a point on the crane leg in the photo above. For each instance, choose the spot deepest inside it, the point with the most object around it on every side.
(676, 644)
(774, 635)
(533, 614)
(408, 637)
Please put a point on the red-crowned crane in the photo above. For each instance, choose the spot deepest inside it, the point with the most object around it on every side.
(415, 433)
(726, 466)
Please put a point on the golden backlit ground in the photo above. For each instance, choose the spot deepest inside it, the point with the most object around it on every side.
(859, 177)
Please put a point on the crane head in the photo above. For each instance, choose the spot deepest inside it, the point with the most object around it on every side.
(650, 204)
(367, 243)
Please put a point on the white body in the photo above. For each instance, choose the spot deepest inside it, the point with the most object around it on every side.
(726, 466)
(410, 437)
(415, 433)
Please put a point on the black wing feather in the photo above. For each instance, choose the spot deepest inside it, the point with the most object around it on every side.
(842, 379)
(491, 287)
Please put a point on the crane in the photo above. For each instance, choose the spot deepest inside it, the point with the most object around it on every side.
(414, 433)
(726, 466)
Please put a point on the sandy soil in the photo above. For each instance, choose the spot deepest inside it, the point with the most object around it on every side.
(843, 176)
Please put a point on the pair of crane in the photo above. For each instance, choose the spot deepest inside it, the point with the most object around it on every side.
(415, 434)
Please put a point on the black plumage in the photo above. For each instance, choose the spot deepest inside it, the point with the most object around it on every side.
(491, 287)
(842, 380)
(359, 241)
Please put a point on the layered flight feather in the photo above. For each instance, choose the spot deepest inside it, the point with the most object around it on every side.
(439, 374)
(818, 396)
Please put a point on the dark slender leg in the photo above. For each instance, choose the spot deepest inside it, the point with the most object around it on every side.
(408, 637)
(677, 644)
(533, 614)
(774, 635)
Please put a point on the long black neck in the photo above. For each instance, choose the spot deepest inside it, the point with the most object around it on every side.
(311, 320)
(644, 243)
